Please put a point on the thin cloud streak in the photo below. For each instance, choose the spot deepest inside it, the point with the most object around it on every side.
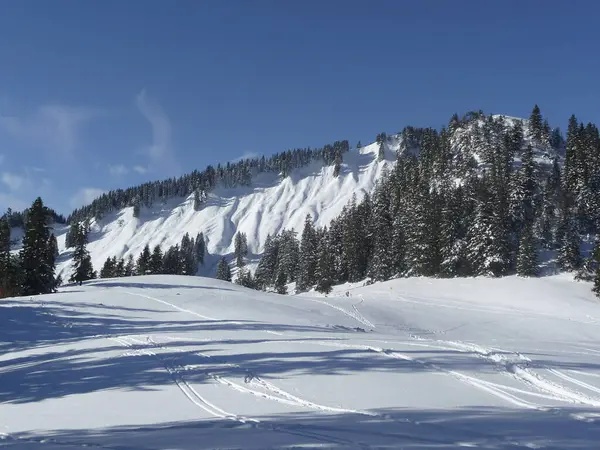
(160, 152)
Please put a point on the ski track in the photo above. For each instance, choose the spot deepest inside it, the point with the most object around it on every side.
(553, 391)
(288, 398)
(193, 396)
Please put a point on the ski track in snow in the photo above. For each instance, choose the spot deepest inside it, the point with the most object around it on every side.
(552, 390)
(192, 395)
(282, 396)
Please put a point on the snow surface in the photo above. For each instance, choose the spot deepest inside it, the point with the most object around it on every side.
(267, 207)
(175, 362)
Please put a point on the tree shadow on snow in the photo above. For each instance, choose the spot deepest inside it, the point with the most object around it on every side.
(491, 428)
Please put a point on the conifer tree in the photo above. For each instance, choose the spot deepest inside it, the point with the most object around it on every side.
(308, 255)
(536, 125)
(382, 262)
(10, 269)
(200, 248)
(381, 152)
(223, 270)
(596, 258)
(37, 255)
(197, 200)
(569, 241)
(324, 273)
(527, 261)
(108, 269)
(143, 262)
(240, 249)
(82, 261)
(155, 265)
(280, 286)
(129, 266)
(267, 266)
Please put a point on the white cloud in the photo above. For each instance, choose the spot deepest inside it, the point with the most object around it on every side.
(85, 196)
(15, 182)
(140, 169)
(118, 169)
(247, 155)
(161, 150)
(54, 127)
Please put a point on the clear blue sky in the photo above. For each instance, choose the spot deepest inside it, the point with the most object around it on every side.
(96, 95)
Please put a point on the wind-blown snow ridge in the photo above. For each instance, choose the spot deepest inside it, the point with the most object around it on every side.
(267, 207)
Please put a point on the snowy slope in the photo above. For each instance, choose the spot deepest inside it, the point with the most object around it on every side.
(269, 206)
(174, 362)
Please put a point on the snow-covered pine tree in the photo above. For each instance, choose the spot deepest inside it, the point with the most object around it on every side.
(267, 266)
(382, 262)
(527, 260)
(536, 125)
(568, 240)
(308, 255)
(280, 283)
(596, 258)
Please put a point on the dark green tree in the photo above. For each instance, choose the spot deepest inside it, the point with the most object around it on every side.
(82, 261)
(37, 255)
(240, 249)
(527, 260)
(223, 270)
(143, 262)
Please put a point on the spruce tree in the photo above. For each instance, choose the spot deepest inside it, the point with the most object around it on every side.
(324, 273)
(596, 258)
(280, 283)
(527, 261)
(155, 266)
(569, 242)
(37, 255)
(130, 266)
(223, 270)
(200, 248)
(381, 152)
(241, 249)
(308, 255)
(9, 265)
(536, 125)
(382, 262)
(82, 261)
(267, 266)
(197, 200)
(108, 269)
(143, 262)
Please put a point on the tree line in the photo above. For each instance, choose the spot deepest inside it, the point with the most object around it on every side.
(199, 183)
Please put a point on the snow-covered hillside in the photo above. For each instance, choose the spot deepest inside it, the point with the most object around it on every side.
(269, 206)
(175, 362)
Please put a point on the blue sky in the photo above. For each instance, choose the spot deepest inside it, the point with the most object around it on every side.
(98, 95)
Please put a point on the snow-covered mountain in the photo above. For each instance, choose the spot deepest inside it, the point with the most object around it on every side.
(270, 205)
